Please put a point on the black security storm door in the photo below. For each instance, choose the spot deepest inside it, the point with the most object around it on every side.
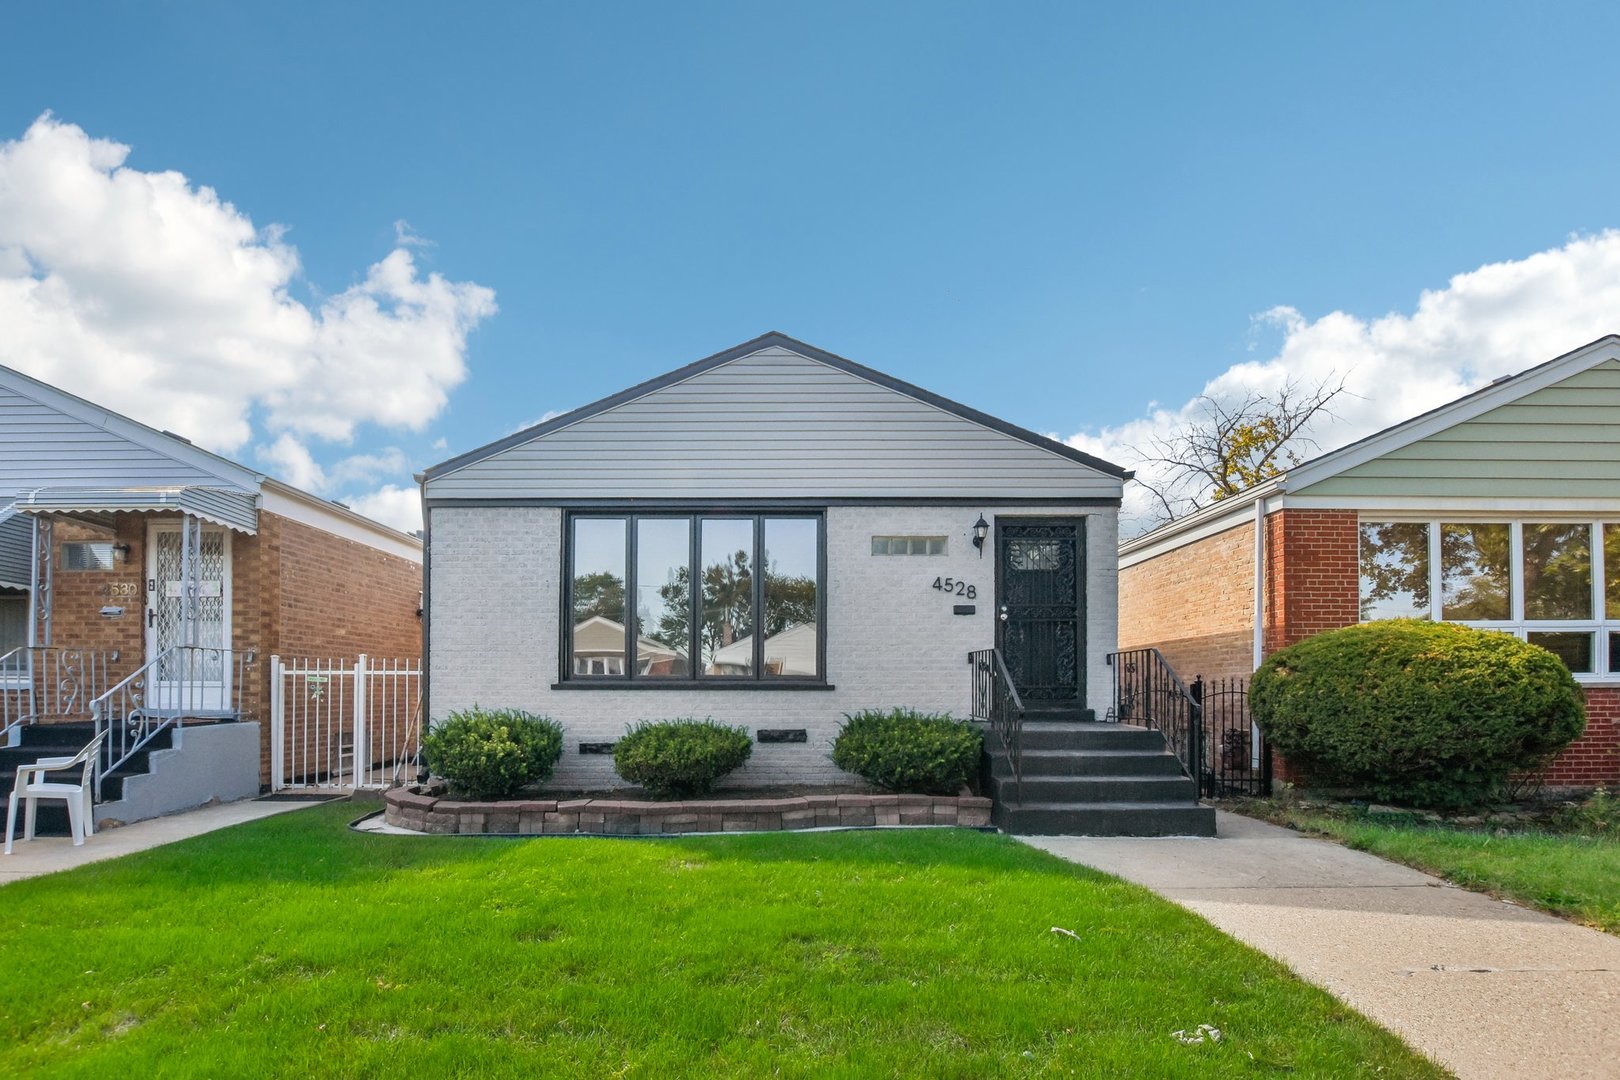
(1040, 571)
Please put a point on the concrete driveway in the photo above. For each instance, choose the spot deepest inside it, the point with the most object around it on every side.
(1484, 987)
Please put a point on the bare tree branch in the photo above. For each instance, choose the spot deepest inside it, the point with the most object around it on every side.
(1232, 444)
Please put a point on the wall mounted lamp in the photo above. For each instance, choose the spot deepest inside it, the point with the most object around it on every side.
(981, 529)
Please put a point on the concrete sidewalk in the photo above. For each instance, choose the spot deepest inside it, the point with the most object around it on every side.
(1485, 988)
(48, 854)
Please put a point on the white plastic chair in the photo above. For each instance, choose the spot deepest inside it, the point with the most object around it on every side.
(80, 797)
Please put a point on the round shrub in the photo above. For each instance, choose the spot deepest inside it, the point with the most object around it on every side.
(1424, 713)
(491, 753)
(674, 759)
(912, 752)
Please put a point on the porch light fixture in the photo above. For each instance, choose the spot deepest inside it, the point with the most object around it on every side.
(981, 529)
(121, 552)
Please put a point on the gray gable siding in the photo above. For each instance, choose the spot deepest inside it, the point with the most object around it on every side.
(43, 447)
(1562, 441)
(774, 424)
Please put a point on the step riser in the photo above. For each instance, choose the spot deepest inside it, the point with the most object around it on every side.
(1051, 789)
(1098, 821)
(1079, 763)
(1096, 738)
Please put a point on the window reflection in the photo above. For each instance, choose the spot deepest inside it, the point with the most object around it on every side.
(1558, 571)
(1475, 583)
(663, 596)
(1394, 563)
(727, 600)
(790, 596)
(598, 591)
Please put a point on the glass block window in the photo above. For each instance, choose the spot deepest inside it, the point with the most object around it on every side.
(908, 545)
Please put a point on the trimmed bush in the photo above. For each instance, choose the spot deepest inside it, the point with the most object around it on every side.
(491, 753)
(1411, 711)
(676, 759)
(911, 752)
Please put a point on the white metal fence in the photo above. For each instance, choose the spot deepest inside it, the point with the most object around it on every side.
(344, 723)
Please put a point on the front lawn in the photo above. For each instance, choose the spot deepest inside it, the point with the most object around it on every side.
(293, 947)
(1569, 874)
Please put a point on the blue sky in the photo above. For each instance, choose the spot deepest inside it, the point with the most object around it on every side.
(1057, 213)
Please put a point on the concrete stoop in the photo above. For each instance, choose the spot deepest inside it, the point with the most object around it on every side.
(213, 761)
(1083, 778)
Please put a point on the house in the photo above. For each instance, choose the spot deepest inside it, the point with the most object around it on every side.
(146, 583)
(1499, 510)
(780, 536)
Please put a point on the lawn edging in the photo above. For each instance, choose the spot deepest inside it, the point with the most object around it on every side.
(405, 809)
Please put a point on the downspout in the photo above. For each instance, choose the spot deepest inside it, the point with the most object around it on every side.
(1259, 581)
(427, 605)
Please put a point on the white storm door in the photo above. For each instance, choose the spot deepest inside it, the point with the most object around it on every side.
(190, 681)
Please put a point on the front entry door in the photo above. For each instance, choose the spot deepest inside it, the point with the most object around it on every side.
(193, 681)
(1040, 592)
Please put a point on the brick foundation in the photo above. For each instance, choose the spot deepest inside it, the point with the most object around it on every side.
(613, 817)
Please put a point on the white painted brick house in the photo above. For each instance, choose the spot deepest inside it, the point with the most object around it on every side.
(827, 504)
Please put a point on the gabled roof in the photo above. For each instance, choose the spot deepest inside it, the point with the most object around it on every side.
(774, 339)
(1499, 392)
(161, 442)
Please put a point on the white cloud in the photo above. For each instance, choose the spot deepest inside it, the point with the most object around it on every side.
(549, 414)
(149, 293)
(1497, 320)
(364, 468)
(391, 504)
(290, 460)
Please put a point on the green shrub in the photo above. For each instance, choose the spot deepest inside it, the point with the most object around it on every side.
(491, 753)
(674, 759)
(1429, 714)
(901, 750)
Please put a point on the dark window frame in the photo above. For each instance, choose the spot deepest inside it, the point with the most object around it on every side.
(695, 677)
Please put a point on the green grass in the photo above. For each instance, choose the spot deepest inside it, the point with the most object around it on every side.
(293, 947)
(1571, 875)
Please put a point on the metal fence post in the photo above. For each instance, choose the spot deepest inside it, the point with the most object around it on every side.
(1196, 754)
(362, 739)
(278, 728)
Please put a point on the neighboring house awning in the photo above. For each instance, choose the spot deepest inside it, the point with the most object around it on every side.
(237, 510)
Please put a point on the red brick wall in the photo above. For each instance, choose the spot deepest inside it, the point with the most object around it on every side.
(1195, 604)
(1312, 579)
(1594, 758)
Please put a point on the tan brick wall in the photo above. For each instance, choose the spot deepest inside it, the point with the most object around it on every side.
(1195, 604)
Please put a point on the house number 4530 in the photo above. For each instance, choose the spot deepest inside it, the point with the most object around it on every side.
(956, 588)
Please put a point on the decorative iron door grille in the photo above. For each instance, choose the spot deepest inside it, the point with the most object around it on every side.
(1039, 575)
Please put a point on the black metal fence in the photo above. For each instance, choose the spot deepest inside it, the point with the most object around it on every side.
(1207, 724)
(1149, 693)
(1237, 760)
(996, 702)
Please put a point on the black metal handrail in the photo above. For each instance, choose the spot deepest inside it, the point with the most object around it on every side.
(996, 702)
(1148, 692)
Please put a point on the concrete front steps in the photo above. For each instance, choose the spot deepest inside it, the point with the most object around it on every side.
(1083, 778)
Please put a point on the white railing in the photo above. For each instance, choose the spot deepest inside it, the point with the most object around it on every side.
(49, 682)
(183, 682)
(344, 724)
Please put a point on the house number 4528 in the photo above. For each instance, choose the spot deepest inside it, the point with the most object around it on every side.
(956, 588)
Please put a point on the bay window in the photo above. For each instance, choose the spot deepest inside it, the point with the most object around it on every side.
(1554, 583)
(716, 599)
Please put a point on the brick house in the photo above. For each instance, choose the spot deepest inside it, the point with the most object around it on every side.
(604, 567)
(1499, 510)
(145, 582)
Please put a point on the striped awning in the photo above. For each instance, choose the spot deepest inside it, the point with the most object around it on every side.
(235, 509)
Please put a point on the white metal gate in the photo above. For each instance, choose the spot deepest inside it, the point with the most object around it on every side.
(344, 723)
